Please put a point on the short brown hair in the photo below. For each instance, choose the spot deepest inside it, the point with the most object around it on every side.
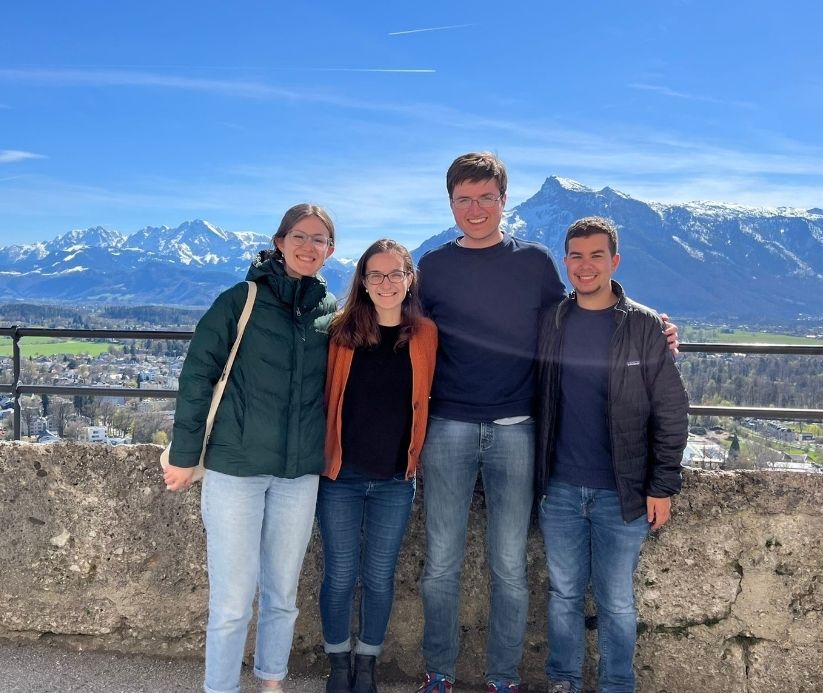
(301, 211)
(474, 167)
(356, 325)
(589, 226)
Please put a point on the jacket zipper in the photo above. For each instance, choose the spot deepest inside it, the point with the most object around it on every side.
(609, 409)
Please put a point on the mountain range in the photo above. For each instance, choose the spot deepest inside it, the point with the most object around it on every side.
(699, 259)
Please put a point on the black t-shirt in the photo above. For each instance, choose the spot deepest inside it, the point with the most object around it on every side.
(377, 408)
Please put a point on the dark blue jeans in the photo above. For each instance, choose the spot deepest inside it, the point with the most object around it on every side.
(586, 539)
(362, 524)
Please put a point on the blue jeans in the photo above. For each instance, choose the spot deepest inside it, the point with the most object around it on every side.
(586, 539)
(362, 523)
(257, 531)
(454, 453)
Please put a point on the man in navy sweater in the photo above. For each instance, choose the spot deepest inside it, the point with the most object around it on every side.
(485, 290)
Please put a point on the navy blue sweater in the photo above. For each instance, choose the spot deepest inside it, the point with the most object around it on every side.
(486, 303)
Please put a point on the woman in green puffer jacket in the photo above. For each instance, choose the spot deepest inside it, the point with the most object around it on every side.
(265, 451)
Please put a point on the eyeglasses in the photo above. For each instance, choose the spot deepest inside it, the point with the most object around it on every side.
(395, 277)
(319, 242)
(484, 201)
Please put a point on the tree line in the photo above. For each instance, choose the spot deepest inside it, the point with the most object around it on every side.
(787, 380)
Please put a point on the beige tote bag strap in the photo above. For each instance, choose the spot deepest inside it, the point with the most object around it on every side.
(217, 395)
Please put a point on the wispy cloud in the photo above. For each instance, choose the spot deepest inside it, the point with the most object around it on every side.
(433, 28)
(398, 189)
(127, 78)
(12, 156)
(674, 94)
(241, 88)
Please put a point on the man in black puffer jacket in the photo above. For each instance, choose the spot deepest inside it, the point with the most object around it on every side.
(612, 429)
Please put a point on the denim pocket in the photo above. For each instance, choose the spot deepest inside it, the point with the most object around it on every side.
(400, 478)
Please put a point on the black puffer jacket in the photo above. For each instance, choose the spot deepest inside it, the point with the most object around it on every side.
(648, 405)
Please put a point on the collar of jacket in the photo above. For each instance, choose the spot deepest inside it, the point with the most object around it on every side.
(621, 308)
(301, 294)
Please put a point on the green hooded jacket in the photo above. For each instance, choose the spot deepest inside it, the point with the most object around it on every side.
(270, 420)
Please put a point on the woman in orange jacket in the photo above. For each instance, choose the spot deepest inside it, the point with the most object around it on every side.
(380, 369)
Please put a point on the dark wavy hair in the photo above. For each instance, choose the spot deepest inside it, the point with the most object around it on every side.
(356, 325)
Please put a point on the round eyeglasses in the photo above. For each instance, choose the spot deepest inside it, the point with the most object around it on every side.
(395, 277)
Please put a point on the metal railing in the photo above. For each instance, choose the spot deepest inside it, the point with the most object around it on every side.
(16, 388)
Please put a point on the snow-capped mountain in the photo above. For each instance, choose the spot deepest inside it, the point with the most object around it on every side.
(700, 259)
(697, 259)
(186, 265)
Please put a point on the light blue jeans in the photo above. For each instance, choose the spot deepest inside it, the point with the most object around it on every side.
(586, 539)
(257, 531)
(454, 453)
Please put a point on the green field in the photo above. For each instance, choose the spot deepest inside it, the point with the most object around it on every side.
(741, 336)
(51, 346)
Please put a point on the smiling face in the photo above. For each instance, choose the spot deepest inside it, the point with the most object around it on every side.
(480, 226)
(306, 259)
(590, 266)
(387, 296)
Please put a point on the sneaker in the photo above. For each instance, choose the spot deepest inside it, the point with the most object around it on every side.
(435, 683)
(502, 687)
(560, 687)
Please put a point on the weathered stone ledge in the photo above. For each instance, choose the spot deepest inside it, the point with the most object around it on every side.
(96, 554)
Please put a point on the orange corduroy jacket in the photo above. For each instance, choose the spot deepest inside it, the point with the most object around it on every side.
(422, 351)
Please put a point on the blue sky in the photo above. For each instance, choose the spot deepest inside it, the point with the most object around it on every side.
(140, 114)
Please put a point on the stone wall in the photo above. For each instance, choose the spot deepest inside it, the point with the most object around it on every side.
(96, 554)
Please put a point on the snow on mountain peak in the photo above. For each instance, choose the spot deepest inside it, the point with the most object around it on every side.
(199, 226)
(567, 184)
(96, 236)
(608, 190)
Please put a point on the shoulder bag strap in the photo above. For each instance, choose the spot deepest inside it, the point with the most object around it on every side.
(217, 395)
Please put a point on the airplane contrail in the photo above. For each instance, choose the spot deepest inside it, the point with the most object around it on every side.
(362, 69)
(434, 28)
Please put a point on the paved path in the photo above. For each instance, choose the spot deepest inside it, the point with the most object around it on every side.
(44, 668)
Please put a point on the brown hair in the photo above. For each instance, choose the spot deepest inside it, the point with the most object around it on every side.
(295, 214)
(474, 167)
(356, 325)
(589, 226)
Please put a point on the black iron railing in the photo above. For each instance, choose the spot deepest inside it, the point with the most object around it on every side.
(16, 388)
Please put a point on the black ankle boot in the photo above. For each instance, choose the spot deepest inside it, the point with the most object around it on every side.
(364, 681)
(340, 674)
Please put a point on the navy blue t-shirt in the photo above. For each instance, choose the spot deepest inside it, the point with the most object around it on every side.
(583, 451)
(486, 303)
